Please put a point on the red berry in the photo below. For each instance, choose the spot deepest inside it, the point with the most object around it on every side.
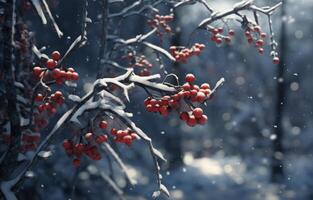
(165, 100)
(247, 34)
(191, 121)
(101, 138)
(263, 35)
(149, 108)
(37, 71)
(197, 112)
(259, 43)
(276, 60)
(231, 32)
(184, 116)
(41, 108)
(74, 76)
(67, 144)
(203, 119)
(50, 64)
(103, 124)
(200, 97)
(127, 139)
(113, 131)
(205, 86)
(68, 75)
(39, 97)
(76, 162)
(186, 86)
(79, 147)
(257, 29)
(215, 31)
(56, 73)
(56, 55)
(134, 136)
(53, 110)
(70, 69)
(190, 78)
(163, 111)
(219, 41)
(58, 94)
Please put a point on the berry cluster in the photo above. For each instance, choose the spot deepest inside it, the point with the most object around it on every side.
(87, 144)
(194, 117)
(29, 141)
(52, 72)
(50, 103)
(181, 54)
(189, 92)
(256, 37)
(218, 36)
(126, 136)
(161, 24)
(140, 62)
(77, 150)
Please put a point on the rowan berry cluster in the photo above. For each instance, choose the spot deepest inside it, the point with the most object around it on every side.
(52, 72)
(140, 62)
(182, 54)
(29, 141)
(256, 37)
(79, 149)
(189, 92)
(50, 103)
(219, 35)
(126, 136)
(87, 144)
(161, 24)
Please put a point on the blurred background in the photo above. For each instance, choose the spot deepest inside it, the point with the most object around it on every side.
(257, 144)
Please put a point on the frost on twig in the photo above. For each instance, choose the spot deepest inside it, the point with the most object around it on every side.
(40, 10)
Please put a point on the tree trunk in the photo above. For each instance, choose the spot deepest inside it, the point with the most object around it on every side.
(278, 150)
(10, 160)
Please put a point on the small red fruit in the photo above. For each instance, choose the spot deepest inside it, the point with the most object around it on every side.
(39, 97)
(56, 73)
(203, 119)
(191, 121)
(197, 112)
(276, 60)
(231, 32)
(56, 55)
(50, 64)
(101, 138)
(184, 116)
(103, 124)
(74, 76)
(200, 97)
(127, 139)
(37, 71)
(76, 162)
(190, 78)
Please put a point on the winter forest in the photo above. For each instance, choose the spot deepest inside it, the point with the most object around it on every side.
(156, 99)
